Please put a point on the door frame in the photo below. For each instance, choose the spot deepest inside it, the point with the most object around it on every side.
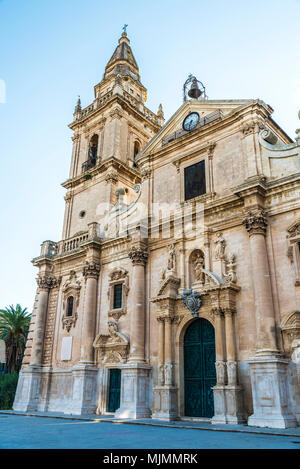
(103, 386)
(108, 387)
(179, 356)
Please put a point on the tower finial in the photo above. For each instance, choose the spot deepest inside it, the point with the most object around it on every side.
(78, 105)
(160, 112)
(124, 30)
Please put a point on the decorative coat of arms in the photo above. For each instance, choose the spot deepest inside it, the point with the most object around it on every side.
(192, 301)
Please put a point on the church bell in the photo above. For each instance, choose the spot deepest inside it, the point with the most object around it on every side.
(194, 91)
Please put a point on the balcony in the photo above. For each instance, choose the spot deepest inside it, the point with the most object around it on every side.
(52, 249)
(88, 164)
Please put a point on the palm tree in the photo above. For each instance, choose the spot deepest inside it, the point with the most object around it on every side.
(14, 326)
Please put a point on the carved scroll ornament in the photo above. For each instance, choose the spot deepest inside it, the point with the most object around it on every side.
(112, 347)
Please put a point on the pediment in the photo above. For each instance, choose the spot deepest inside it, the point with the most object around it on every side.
(203, 107)
(107, 341)
(112, 347)
(294, 229)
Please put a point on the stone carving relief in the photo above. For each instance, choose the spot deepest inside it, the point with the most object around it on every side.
(111, 177)
(111, 348)
(220, 247)
(290, 326)
(256, 222)
(138, 254)
(226, 262)
(71, 287)
(294, 230)
(192, 301)
(293, 250)
(172, 258)
(168, 276)
(196, 266)
(45, 282)
(230, 275)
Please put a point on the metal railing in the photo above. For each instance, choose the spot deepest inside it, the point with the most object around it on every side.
(204, 121)
(88, 164)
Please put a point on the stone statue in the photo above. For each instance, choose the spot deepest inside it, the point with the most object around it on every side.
(198, 265)
(220, 247)
(172, 257)
(113, 332)
(230, 276)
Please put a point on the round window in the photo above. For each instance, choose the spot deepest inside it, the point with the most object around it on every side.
(82, 214)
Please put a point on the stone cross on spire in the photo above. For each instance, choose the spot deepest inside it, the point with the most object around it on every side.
(124, 28)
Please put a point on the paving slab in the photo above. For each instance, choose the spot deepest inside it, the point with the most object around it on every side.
(181, 424)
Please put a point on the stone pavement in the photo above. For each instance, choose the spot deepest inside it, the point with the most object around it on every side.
(33, 432)
(183, 424)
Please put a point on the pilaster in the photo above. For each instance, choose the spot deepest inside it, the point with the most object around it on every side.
(271, 402)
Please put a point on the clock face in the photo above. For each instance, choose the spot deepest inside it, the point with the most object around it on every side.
(191, 121)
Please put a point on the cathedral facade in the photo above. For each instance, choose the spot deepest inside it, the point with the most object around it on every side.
(175, 290)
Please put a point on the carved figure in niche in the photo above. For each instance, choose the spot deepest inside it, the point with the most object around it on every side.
(113, 332)
(172, 257)
(230, 267)
(198, 266)
(171, 265)
(220, 247)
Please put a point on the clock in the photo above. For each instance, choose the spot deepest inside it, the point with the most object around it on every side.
(190, 121)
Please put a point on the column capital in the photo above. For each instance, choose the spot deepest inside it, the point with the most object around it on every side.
(138, 255)
(169, 319)
(216, 311)
(111, 177)
(160, 318)
(68, 197)
(256, 222)
(91, 269)
(229, 311)
(45, 282)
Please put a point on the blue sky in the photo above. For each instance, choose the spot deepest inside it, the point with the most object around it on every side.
(53, 50)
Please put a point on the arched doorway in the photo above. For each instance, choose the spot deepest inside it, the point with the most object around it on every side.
(199, 369)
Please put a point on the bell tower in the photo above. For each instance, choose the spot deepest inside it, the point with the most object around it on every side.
(108, 135)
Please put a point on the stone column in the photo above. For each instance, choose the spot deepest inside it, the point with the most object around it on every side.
(139, 255)
(28, 390)
(165, 393)
(135, 373)
(161, 354)
(233, 392)
(85, 372)
(219, 389)
(168, 352)
(220, 363)
(268, 370)
(256, 225)
(45, 282)
(91, 272)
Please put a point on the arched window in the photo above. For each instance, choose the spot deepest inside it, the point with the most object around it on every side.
(91, 154)
(136, 150)
(93, 148)
(70, 304)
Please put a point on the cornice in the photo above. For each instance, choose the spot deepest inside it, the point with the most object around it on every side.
(101, 168)
(207, 146)
(238, 115)
(124, 104)
(253, 184)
